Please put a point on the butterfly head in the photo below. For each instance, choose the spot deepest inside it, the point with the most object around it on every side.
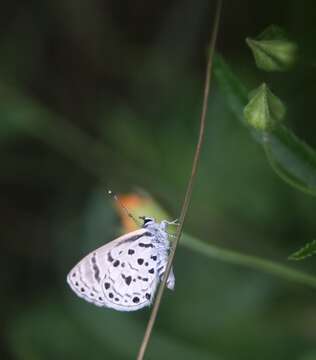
(148, 221)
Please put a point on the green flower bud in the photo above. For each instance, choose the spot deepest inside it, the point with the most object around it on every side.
(272, 50)
(264, 110)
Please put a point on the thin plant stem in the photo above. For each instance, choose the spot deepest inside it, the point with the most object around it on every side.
(187, 197)
(250, 261)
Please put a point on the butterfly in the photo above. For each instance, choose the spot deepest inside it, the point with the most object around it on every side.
(124, 273)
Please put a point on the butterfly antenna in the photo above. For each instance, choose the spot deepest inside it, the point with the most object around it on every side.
(129, 214)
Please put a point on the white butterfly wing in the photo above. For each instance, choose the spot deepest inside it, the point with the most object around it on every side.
(121, 274)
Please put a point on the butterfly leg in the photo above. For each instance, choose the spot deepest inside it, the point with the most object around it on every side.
(171, 278)
(165, 223)
(173, 222)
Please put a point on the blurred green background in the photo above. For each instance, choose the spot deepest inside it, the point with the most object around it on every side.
(107, 94)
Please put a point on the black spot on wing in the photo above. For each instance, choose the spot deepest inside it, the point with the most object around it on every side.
(135, 299)
(95, 268)
(160, 270)
(140, 261)
(151, 271)
(127, 279)
(148, 296)
(107, 285)
(116, 263)
(134, 238)
(131, 252)
(131, 267)
(110, 259)
(146, 245)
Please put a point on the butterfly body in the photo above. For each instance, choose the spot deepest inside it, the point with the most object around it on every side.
(124, 273)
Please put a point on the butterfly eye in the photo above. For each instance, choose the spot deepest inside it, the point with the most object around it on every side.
(146, 219)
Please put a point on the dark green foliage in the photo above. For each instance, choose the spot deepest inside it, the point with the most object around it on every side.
(97, 95)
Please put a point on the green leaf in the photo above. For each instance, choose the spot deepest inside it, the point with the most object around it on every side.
(264, 109)
(292, 159)
(307, 250)
(272, 50)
